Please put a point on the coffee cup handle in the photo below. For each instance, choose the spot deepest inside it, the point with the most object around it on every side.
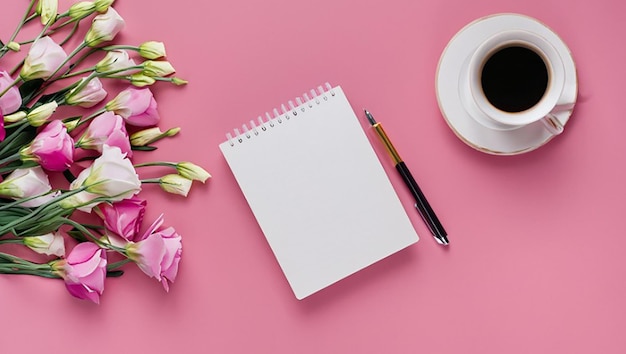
(552, 124)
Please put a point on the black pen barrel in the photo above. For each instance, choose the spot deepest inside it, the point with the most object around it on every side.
(426, 211)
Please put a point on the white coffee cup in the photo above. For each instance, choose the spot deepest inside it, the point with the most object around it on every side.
(548, 105)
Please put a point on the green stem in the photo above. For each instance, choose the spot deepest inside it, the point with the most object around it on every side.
(22, 266)
(72, 32)
(114, 266)
(42, 209)
(157, 163)
(17, 67)
(110, 74)
(93, 238)
(10, 86)
(6, 144)
(114, 47)
(13, 240)
(90, 117)
(4, 49)
(151, 180)
(80, 47)
(11, 158)
(80, 72)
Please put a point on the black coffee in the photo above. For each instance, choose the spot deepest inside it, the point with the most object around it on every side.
(514, 79)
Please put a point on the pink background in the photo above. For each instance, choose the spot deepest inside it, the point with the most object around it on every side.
(536, 262)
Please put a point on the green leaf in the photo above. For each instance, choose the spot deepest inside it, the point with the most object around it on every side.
(56, 96)
(143, 148)
(69, 176)
(29, 89)
(115, 273)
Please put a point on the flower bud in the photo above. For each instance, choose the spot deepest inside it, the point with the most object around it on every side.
(49, 244)
(178, 81)
(71, 123)
(103, 5)
(81, 10)
(152, 50)
(157, 68)
(47, 9)
(38, 116)
(141, 80)
(88, 95)
(115, 60)
(175, 184)
(15, 117)
(192, 171)
(104, 28)
(14, 46)
(151, 135)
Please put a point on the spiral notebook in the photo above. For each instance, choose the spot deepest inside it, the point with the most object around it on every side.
(318, 190)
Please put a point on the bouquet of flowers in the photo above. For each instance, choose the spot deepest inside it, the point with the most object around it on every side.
(87, 156)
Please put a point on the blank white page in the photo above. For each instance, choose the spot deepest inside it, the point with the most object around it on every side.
(319, 192)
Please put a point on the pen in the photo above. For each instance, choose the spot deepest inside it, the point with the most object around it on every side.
(422, 205)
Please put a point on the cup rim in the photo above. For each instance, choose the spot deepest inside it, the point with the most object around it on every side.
(539, 45)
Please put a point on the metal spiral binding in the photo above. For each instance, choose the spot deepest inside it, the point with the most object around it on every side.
(302, 104)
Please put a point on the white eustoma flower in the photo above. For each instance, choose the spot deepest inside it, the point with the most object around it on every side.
(43, 59)
(26, 183)
(104, 27)
(111, 176)
(87, 96)
(116, 60)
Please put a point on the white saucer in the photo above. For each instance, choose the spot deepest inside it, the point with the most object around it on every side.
(460, 118)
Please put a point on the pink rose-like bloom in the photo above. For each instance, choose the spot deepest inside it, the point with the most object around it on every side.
(137, 106)
(89, 96)
(43, 59)
(53, 147)
(11, 100)
(124, 217)
(84, 271)
(158, 253)
(106, 129)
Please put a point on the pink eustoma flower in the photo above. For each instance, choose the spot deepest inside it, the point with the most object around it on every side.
(3, 132)
(52, 148)
(158, 253)
(11, 100)
(84, 271)
(124, 217)
(106, 129)
(137, 106)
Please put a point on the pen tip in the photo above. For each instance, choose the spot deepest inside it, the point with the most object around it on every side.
(369, 116)
(442, 240)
